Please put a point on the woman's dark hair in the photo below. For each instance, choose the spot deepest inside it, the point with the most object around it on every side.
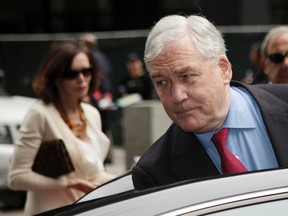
(58, 60)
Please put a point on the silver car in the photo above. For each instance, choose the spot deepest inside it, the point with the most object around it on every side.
(255, 193)
(13, 110)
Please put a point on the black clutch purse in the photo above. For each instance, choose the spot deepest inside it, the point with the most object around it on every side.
(52, 159)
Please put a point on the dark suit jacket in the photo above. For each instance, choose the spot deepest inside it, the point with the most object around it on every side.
(178, 155)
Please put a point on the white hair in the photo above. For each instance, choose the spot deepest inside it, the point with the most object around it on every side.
(205, 36)
(274, 32)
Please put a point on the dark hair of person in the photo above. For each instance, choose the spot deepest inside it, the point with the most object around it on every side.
(59, 59)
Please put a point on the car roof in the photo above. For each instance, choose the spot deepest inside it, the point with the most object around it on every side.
(14, 108)
(163, 199)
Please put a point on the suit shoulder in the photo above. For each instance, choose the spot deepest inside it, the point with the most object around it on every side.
(266, 91)
(277, 90)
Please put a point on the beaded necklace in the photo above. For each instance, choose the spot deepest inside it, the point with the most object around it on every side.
(79, 129)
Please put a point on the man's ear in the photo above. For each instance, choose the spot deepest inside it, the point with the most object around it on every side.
(226, 69)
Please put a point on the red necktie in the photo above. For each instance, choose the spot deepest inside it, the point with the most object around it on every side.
(229, 163)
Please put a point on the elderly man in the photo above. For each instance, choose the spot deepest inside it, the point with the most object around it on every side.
(219, 126)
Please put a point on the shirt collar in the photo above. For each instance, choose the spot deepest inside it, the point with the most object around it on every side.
(238, 116)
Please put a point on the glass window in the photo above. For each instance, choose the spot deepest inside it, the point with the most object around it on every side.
(5, 135)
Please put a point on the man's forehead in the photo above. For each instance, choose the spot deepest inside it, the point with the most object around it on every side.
(279, 42)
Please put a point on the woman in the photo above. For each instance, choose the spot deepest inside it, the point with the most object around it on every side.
(67, 75)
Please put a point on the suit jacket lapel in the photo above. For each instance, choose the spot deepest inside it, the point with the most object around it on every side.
(189, 158)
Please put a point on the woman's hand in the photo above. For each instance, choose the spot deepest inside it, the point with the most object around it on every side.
(81, 185)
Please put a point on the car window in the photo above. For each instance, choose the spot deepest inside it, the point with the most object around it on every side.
(111, 188)
(5, 135)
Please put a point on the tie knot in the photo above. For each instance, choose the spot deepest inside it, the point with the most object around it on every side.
(220, 138)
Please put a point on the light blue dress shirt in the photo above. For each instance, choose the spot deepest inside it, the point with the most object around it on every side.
(248, 139)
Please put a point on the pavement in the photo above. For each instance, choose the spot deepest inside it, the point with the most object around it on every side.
(116, 167)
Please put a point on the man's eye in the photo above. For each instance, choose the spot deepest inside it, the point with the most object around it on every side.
(186, 76)
(160, 83)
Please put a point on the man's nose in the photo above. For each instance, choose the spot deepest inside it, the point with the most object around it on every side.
(178, 94)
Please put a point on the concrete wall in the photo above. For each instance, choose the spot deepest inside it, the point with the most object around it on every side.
(143, 124)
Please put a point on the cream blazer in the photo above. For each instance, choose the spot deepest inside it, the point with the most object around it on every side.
(43, 123)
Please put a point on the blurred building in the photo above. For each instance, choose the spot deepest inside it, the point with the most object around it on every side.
(52, 16)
